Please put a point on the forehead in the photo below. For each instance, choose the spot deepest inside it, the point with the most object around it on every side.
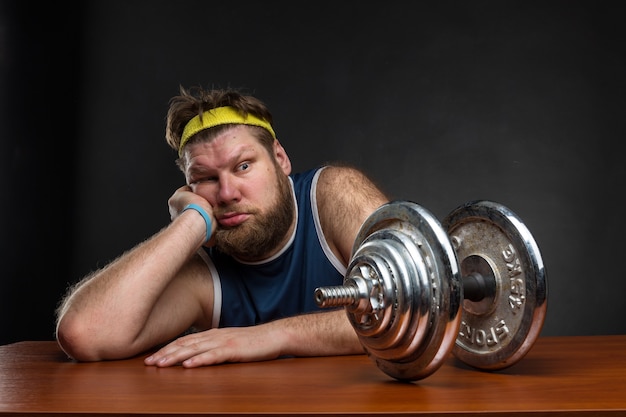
(226, 146)
(226, 137)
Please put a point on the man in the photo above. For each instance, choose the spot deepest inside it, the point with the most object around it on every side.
(232, 277)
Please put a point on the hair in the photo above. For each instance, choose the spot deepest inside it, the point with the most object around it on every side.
(196, 100)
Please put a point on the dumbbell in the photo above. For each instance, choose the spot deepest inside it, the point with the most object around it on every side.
(416, 289)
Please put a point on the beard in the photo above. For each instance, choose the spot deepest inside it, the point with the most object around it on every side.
(261, 234)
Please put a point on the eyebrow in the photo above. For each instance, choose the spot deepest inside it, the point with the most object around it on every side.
(239, 154)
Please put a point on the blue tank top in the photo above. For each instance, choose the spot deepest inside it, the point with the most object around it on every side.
(249, 294)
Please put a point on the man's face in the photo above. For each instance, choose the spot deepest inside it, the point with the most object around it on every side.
(248, 190)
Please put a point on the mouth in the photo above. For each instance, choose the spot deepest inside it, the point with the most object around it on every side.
(232, 219)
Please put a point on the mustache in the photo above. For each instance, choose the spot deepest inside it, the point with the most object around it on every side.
(220, 211)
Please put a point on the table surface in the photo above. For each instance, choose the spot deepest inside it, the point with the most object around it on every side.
(559, 376)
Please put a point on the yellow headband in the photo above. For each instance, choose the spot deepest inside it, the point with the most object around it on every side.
(219, 116)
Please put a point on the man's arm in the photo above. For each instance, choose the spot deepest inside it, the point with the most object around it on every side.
(133, 303)
(346, 198)
(316, 334)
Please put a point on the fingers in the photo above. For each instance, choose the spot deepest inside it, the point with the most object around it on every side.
(213, 347)
(184, 196)
(176, 202)
(187, 351)
(190, 351)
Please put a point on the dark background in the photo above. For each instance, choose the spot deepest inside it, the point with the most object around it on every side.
(521, 102)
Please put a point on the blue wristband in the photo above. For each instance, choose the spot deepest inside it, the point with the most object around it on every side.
(205, 216)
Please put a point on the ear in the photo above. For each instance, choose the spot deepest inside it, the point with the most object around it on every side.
(282, 158)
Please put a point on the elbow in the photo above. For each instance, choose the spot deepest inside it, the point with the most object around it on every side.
(76, 341)
(85, 341)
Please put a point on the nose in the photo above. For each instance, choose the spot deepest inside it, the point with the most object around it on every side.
(228, 190)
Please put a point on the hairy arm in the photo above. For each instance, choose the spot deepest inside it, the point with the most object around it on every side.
(345, 199)
(136, 301)
(316, 334)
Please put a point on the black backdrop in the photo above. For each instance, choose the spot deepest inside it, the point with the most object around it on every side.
(521, 102)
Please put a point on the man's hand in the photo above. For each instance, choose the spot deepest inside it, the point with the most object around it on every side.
(184, 196)
(214, 346)
(318, 334)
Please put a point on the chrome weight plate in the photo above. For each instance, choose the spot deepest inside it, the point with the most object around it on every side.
(500, 329)
(408, 314)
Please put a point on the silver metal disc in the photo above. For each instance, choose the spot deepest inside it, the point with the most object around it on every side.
(497, 331)
(406, 252)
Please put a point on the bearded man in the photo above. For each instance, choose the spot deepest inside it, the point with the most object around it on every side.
(232, 277)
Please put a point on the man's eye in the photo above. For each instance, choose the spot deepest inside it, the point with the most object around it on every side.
(244, 166)
(202, 179)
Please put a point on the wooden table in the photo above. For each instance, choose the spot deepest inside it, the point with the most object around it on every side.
(560, 376)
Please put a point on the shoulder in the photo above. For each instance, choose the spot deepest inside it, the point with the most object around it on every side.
(343, 184)
(345, 198)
